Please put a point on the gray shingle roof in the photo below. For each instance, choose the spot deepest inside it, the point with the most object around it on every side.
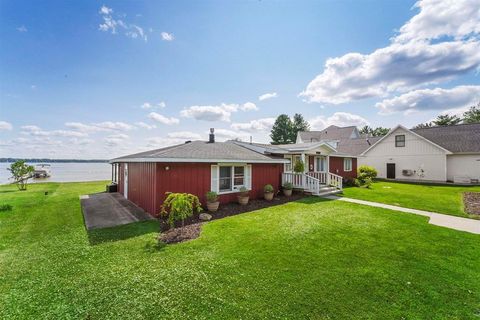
(201, 151)
(348, 138)
(329, 133)
(459, 138)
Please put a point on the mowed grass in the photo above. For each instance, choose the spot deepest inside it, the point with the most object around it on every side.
(312, 259)
(436, 198)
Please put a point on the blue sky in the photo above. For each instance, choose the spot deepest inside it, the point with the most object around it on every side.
(90, 79)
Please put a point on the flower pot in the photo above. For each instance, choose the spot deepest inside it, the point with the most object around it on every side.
(287, 192)
(243, 200)
(268, 196)
(213, 206)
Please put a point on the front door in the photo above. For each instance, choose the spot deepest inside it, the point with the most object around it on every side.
(125, 181)
(321, 164)
(390, 170)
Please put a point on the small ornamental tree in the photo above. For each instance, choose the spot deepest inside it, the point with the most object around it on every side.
(299, 166)
(179, 206)
(365, 176)
(21, 172)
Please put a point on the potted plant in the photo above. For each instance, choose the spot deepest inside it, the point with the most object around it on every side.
(287, 189)
(212, 201)
(243, 196)
(268, 192)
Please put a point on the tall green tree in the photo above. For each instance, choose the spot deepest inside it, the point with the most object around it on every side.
(472, 115)
(446, 120)
(282, 130)
(423, 125)
(379, 131)
(21, 172)
(298, 124)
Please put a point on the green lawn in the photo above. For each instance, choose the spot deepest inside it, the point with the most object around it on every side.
(442, 199)
(313, 259)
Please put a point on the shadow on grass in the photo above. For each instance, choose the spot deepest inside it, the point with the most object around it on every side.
(313, 200)
(99, 236)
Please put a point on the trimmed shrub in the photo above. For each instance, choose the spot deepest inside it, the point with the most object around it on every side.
(212, 196)
(288, 186)
(365, 176)
(299, 166)
(179, 206)
(268, 188)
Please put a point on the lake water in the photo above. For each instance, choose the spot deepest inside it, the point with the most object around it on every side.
(67, 172)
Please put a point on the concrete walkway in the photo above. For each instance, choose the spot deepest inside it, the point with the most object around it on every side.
(103, 210)
(438, 219)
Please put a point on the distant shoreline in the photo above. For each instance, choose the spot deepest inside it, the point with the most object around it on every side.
(46, 160)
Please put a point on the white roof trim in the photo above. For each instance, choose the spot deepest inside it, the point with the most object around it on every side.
(408, 130)
(183, 160)
(314, 146)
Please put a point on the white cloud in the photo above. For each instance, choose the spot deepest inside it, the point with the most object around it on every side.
(81, 142)
(160, 142)
(116, 139)
(262, 125)
(184, 135)
(113, 25)
(167, 36)
(102, 126)
(162, 119)
(216, 113)
(148, 105)
(225, 134)
(413, 59)
(431, 99)
(110, 125)
(438, 18)
(4, 125)
(341, 119)
(22, 28)
(145, 125)
(105, 10)
(267, 96)
(33, 130)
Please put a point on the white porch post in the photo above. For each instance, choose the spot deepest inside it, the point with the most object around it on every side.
(328, 170)
(304, 180)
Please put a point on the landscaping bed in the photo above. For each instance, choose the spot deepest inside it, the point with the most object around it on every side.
(471, 201)
(231, 209)
(176, 235)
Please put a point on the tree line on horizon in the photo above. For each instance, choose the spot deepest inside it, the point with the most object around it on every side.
(285, 129)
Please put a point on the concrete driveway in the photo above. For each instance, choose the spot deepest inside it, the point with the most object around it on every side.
(103, 210)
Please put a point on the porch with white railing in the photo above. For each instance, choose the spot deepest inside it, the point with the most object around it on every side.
(314, 182)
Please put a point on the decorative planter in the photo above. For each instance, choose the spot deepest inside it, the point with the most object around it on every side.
(243, 200)
(287, 192)
(268, 196)
(213, 206)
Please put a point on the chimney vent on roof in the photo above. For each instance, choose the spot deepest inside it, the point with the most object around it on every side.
(211, 137)
(188, 141)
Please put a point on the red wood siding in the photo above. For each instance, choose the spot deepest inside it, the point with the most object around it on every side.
(141, 185)
(336, 167)
(311, 163)
(195, 178)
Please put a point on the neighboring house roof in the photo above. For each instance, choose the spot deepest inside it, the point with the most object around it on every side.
(408, 130)
(201, 151)
(330, 133)
(284, 148)
(348, 140)
(462, 138)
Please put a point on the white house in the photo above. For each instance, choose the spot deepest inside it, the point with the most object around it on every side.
(444, 153)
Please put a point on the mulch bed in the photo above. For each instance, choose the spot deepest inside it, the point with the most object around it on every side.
(225, 210)
(471, 200)
(181, 234)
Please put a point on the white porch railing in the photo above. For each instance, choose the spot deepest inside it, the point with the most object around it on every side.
(311, 181)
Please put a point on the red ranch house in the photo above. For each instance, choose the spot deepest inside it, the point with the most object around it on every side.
(224, 167)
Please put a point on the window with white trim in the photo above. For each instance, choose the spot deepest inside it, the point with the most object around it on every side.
(347, 164)
(230, 177)
(400, 140)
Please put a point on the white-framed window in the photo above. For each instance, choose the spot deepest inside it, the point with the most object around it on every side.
(227, 178)
(400, 140)
(347, 164)
(321, 164)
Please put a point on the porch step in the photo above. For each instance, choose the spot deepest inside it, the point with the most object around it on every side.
(329, 193)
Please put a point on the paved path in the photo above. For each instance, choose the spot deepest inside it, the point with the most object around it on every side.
(438, 219)
(103, 210)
